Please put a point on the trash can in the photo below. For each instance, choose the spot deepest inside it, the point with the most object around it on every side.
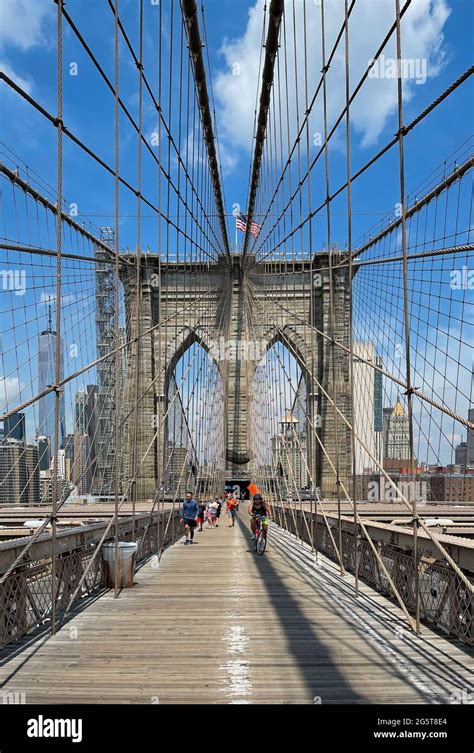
(127, 551)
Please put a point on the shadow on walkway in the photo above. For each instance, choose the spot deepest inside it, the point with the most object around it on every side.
(312, 657)
(429, 673)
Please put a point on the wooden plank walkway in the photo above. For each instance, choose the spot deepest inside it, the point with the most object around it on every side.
(217, 624)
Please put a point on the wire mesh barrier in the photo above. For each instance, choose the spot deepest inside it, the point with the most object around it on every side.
(365, 387)
(445, 601)
(326, 358)
(109, 394)
(25, 595)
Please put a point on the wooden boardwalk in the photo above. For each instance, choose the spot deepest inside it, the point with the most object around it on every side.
(217, 624)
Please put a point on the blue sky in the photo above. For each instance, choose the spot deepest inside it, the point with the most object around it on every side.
(89, 106)
(436, 31)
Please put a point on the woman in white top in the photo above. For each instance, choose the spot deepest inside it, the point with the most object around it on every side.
(212, 513)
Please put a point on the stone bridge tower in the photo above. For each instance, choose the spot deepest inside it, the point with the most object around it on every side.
(225, 308)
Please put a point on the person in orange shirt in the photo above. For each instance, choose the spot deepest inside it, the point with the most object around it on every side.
(231, 506)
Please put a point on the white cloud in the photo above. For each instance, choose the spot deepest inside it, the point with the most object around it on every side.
(236, 88)
(454, 439)
(10, 388)
(50, 297)
(24, 83)
(228, 158)
(193, 152)
(236, 95)
(422, 45)
(24, 23)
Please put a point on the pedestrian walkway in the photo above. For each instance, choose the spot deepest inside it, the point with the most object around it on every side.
(215, 623)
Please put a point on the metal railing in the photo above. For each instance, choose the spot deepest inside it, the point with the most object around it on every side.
(25, 596)
(445, 601)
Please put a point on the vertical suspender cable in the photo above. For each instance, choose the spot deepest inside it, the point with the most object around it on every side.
(189, 8)
(58, 375)
(406, 307)
(116, 302)
(138, 278)
(271, 50)
(310, 367)
(332, 312)
(157, 463)
(350, 277)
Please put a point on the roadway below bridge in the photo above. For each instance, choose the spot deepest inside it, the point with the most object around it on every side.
(216, 623)
(72, 513)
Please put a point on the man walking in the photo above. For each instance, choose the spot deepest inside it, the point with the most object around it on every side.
(189, 516)
(219, 510)
(201, 516)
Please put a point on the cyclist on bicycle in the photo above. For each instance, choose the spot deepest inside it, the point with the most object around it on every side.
(258, 507)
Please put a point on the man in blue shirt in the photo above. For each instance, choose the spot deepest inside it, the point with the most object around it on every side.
(189, 515)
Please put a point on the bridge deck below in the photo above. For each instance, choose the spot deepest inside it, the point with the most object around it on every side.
(217, 624)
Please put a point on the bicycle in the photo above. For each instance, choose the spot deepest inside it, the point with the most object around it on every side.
(260, 534)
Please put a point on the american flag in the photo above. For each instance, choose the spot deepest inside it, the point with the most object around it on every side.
(241, 224)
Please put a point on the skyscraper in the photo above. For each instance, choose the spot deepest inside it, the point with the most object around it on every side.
(460, 454)
(80, 416)
(68, 446)
(79, 474)
(366, 410)
(44, 452)
(470, 441)
(14, 427)
(85, 422)
(378, 410)
(32, 473)
(396, 434)
(46, 377)
(19, 474)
